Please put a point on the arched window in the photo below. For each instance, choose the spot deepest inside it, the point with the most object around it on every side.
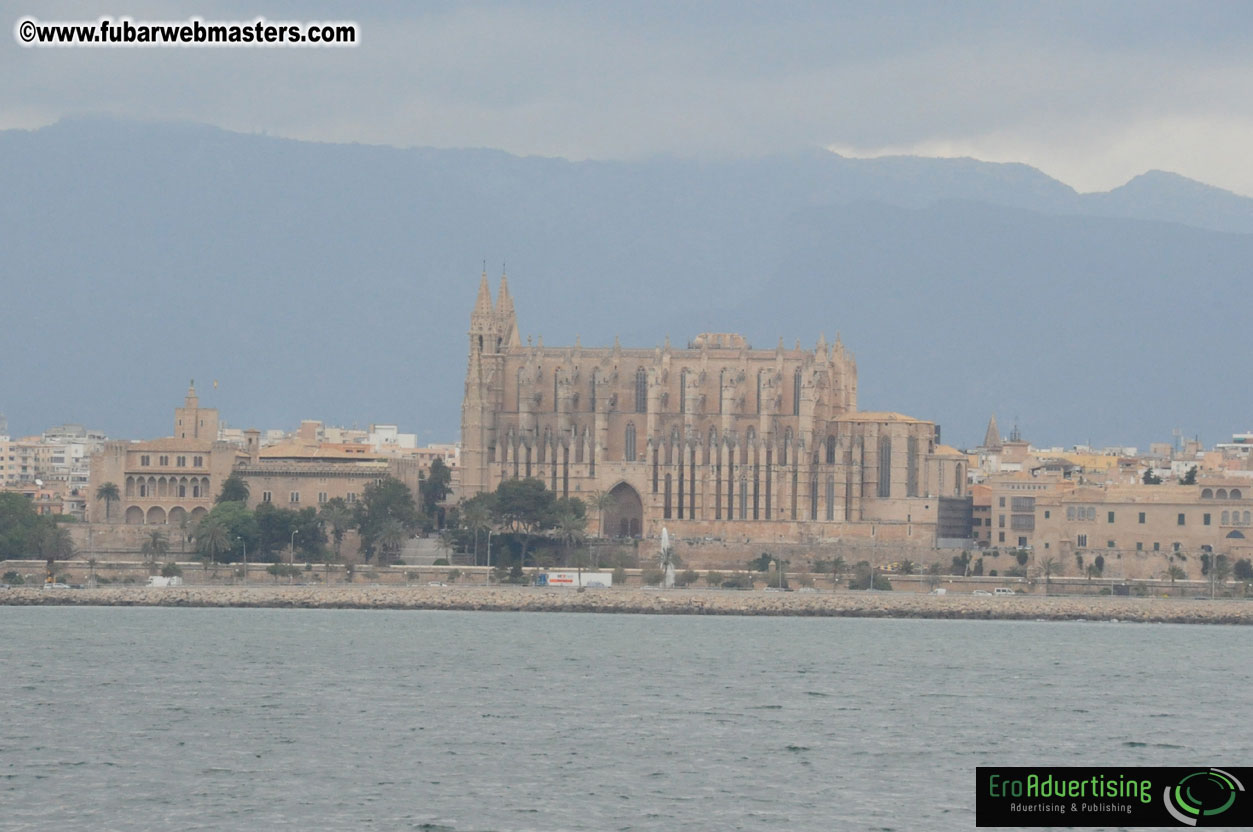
(672, 446)
(554, 391)
(1235, 535)
(885, 466)
(1235, 494)
(629, 451)
(796, 393)
(1207, 493)
(517, 394)
(1091, 514)
(592, 397)
(641, 391)
(683, 391)
(1070, 512)
(1225, 519)
(666, 506)
(1222, 494)
(830, 497)
(1246, 518)
(830, 450)
(759, 372)
(722, 383)
(787, 446)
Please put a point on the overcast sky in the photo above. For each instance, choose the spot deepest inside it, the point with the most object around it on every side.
(1091, 93)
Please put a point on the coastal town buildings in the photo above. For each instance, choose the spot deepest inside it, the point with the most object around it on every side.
(711, 439)
(173, 480)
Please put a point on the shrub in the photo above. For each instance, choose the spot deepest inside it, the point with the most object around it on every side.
(686, 578)
(738, 580)
(652, 577)
(619, 575)
(453, 575)
(14, 578)
(714, 578)
(171, 570)
(440, 562)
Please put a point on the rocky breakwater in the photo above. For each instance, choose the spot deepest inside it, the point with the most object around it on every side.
(673, 602)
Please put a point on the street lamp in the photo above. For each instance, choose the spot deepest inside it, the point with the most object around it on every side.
(291, 556)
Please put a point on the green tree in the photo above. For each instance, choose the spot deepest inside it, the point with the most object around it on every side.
(525, 508)
(476, 518)
(435, 486)
(1222, 568)
(1150, 478)
(212, 538)
(108, 492)
(155, 546)
(601, 501)
(1243, 570)
(907, 567)
(171, 570)
(389, 540)
(234, 490)
(336, 515)
(1176, 573)
(1189, 478)
(1048, 567)
(240, 525)
(54, 543)
(714, 579)
(386, 506)
(569, 527)
(20, 526)
(761, 563)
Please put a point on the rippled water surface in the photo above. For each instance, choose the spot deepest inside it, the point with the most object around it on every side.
(316, 719)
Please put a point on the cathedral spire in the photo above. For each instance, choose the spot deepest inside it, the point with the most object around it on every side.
(483, 304)
(504, 302)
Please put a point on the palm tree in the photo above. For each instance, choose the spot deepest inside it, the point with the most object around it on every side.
(391, 537)
(1048, 566)
(155, 546)
(475, 517)
(212, 536)
(601, 501)
(838, 567)
(91, 565)
(336, 514)
(107, 492)
(1176, 573)
(569, 530)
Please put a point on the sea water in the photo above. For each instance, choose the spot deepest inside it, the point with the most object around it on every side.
(223, 719)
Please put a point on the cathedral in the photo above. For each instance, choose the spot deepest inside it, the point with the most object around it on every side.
(714, 440)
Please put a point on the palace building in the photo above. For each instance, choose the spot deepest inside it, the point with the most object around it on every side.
(714, 439)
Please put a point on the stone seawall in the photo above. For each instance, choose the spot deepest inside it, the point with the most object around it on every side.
(675, 602)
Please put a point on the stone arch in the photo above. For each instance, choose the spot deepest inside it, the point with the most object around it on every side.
(1236, 494)
(134, 516)
(1235, 534)
(1207, 493)
(1221, 494)
(163, 487)
(156, 516)
(197, 513)
(624, 516)
(177, 515)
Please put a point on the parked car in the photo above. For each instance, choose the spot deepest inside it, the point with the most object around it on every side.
(980, 592)
(1003, 590)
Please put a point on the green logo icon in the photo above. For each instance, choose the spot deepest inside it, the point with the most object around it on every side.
(1201, 796)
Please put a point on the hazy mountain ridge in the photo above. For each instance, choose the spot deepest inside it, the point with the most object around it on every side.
(335, 281)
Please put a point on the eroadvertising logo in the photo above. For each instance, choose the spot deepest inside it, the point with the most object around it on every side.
(1131, 796)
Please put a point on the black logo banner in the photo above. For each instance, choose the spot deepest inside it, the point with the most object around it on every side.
(1126, 796)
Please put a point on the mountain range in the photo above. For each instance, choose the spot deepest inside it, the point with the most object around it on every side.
(335, 281)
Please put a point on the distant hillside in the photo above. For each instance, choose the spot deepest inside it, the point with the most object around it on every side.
(335, 281)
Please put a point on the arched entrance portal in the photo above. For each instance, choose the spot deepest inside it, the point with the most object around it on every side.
(624, 516)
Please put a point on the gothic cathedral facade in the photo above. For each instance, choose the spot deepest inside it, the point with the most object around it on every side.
(715, 440)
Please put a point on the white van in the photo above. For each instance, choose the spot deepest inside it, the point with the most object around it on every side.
(1002, 590)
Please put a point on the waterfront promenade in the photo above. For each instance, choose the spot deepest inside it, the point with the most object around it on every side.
(634, 600)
